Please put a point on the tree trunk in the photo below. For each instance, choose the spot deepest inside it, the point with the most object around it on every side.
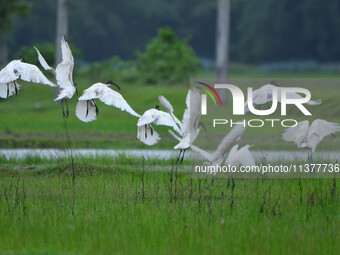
(62, 27)
(62, 30)
(3, 49)
(222, 41)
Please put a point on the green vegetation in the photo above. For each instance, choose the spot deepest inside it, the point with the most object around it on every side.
(33, 120)
(120, 206)
(167, 59)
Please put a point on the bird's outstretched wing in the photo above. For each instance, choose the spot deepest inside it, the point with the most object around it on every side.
(322, 128)
(192, 113)
(245, 158)
(9, 73)
(111, 97)
(8, 89)
(297, 134)
(168, 107)
(227, 141)
(147, 135)
(43, 62)
(107, 96)
(264, 95)
(31, 73)
(231, 154)
(293, 95)
(64, 70)
(158, 118)
(86, 111)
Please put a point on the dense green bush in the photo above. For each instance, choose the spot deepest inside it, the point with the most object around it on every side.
(167, 59)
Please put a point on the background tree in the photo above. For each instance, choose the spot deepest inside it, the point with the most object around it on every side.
(9, 8)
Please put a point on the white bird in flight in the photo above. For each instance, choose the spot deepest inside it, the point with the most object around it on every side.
(63, 74)
(158, 118)
(87, 109)
(216, 157)
(190, 125)
(309, 137)
(264, 95)
(240, 157)
(18, 69)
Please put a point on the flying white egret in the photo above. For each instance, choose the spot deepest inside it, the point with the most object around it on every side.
(18, 69)
(158, 118)
(190, 125)
(240, 157)
(216, 157)
(309, 137)
(63, 74)
(87, 109)
(264, 95)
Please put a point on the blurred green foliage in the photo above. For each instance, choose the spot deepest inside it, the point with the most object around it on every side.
(167, 59)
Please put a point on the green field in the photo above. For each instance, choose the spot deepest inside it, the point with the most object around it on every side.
(33, 120)
(120, 206)
(127, 205)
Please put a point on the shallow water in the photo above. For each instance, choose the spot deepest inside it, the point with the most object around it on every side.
(268, 156)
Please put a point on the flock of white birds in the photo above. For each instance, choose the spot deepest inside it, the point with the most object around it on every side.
(186, 131)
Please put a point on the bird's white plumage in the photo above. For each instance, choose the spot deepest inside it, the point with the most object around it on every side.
(217, 156)
(43, 62)
(147, 135)
(240, 157)
(264, 95)
(168, 107)
(309, 137)
(86, 107)
(11, 89)
(190, 122)
(27, 72)
(64, 70)
(158, 118)
(104, 94)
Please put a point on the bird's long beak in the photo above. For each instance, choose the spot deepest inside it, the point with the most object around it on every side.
(202, 125)
(77, 91)
(116, 85)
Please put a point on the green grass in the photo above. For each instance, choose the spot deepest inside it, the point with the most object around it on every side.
(33, 120)
(120, 206)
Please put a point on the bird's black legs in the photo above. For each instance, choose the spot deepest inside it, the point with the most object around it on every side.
(16, 89)
(151, 130)
(62, 106)
(146, 131)
(179, 156)
(87, 108)
(67, 112)
(7, 90)
(310, 159)
(97, 110)
(182, 156)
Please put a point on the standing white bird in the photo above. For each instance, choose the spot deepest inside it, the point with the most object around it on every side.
(63, 74)
(240, 157)
(190, 125)
(87, 109)
(309, 137)
(264, 95)
(18, 69)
